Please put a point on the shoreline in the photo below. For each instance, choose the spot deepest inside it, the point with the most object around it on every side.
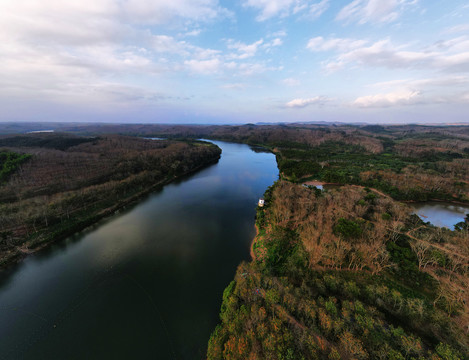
(20, 253)
(434, 200)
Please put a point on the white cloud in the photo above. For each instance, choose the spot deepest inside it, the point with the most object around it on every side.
(163, 11)
(56, 49)
(271, 8)
(88, 21)
(451, 55)
(244, 50)
(291, 82)
(167, 44)
(447, 89)
(280, 33)
(334, 44)
(465, 98)
(317, 9)
(195, 32)
(201, 53)
(211, 66)
(375, 11)
(457, 29)
(405, 97)
(277, 42)
(301, 103)
(250, 69)
(234, 86)
(420, 84)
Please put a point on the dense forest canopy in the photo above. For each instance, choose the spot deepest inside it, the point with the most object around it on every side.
(346, 274)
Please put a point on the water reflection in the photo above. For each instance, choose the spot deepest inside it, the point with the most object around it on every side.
(146, 283)
(441, 214)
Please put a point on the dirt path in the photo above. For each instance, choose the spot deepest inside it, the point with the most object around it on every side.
(253, 254)
(372, 189)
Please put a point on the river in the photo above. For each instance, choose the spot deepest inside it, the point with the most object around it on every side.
(146, 283)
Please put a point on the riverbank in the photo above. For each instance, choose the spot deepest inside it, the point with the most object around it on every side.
(311, 292)
(145, 278)
(455, 202)
(66, 213)
(80, 225)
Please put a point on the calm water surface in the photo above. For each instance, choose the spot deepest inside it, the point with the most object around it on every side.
(145, 284)
(440, 213)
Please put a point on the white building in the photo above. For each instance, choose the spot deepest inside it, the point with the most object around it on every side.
(261, 202)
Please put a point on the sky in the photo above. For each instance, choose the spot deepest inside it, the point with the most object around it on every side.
(228, 61)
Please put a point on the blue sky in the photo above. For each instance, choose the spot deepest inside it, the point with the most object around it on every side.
(220, 61)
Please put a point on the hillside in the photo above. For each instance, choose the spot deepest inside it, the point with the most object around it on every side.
(346, 274)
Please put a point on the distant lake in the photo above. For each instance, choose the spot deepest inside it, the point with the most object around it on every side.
(144, 284)
(40, 131)
(441, 214)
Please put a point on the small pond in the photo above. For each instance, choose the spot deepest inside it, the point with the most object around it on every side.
(442, 214)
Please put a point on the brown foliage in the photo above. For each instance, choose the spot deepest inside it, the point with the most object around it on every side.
(62, 187)
(314, 218)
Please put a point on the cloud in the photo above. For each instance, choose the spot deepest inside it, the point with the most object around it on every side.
(89, 22)
(271, 8)
(280, 33)
(291, 82)
(167, 44)
(334, 44)
(211, 66)
(457, 29)
(406, 97)
(317, 9)
(216, 66)
(445, 81)
(374, 11)
(276, 42)
(465, 98)
(163, 11)
(301, 103)
(389, 99)
(244, 50)
(195, 32)
(250, 69)
(439, 90)
(234, 86)
(66, 51)
(451, 55)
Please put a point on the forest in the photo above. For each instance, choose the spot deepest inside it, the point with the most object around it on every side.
(341, 273)
(54, 185)
(346, 274)
(407, 162)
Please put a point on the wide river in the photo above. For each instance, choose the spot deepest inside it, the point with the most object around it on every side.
(146, 283)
